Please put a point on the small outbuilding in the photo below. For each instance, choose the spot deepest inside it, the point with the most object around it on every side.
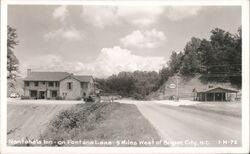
(215, 94)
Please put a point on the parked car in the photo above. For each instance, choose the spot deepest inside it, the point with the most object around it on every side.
(14, 95)
(90, 98)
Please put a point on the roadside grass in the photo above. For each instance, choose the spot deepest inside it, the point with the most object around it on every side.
(100, 124)
(27, 120)
(225, 108)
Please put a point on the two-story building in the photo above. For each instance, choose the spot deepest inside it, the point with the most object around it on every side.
(50, 85)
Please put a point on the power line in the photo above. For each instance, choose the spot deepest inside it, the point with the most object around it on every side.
(223, 65)
(222, 75)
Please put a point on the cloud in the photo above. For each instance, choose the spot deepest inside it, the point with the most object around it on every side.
(50, 62)
(109, 61)
(144, 39)
(114, 60)
(60, 13)
(70, 34)
(180, 12)
(101, 16)
(141, 15)
(65, 32)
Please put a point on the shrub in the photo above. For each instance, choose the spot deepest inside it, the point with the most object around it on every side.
(25, 97)
(78, 98)
(59, 98)
(80, 119)
(138, 96)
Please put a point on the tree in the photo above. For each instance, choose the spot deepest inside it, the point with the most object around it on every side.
(174, 63)
(221, 56)
(235, 57)
(164, 75)
(137, 84)
(205, 55)
(12, 61)
(224, 45)
(190, 63)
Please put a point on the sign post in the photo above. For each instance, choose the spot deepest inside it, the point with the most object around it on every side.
(177, 89)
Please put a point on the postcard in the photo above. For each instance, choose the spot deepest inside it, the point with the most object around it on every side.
(124, 76)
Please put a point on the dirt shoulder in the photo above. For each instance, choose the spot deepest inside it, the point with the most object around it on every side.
(226, 108)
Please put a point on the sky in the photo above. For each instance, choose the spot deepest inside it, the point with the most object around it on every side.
(105, 40)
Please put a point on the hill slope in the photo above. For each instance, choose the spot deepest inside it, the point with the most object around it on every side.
(185, 87)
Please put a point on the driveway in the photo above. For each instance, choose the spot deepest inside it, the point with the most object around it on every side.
(19, 101)
(190, 127)
(28, 119)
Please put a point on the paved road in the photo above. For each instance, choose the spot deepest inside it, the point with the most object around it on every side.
(190, 127)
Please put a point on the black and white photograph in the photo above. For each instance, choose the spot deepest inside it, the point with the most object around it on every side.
(135, 75)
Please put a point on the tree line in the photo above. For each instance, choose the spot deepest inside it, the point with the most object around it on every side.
(215, 59)
(137, 84)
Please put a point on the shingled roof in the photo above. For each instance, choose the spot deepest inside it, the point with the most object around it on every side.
(55, 76)
(226, 89)
(83, 78)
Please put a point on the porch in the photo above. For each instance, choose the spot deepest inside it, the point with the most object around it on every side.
(216, 94)
(43, 94)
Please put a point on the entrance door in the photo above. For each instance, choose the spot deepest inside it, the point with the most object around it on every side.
(41, 94)
(220, 97)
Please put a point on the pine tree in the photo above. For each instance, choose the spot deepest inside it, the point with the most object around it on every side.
(12, 61)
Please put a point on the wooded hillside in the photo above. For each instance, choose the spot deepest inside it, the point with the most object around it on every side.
(217, 60)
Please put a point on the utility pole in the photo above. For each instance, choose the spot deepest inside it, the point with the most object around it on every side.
(177, 88)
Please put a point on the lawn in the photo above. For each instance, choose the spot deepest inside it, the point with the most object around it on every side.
(100, 124)
(226, 108)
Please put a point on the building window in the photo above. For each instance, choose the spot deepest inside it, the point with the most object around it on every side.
(53, 93)
(27, 84)
(57, 84)
(51, 84)
(43, 83)
(69, 86)
(36, 83)
(33, 93)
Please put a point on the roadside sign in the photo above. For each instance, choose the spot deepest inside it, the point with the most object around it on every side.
(172, 86)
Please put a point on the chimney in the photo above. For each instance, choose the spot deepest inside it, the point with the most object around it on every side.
(28, 72)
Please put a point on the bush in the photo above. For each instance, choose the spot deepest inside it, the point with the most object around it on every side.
(25, 97)
(59, 98)
(138, 96)
(78, 98)
(69, 123)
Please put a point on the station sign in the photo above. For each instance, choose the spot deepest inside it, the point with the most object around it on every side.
(172, 86)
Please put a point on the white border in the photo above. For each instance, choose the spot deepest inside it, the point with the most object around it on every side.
(245, 80)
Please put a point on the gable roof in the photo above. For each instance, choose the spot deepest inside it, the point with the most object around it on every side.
(230, 90)
(83, 78)
(54, 76)
(46, 76)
